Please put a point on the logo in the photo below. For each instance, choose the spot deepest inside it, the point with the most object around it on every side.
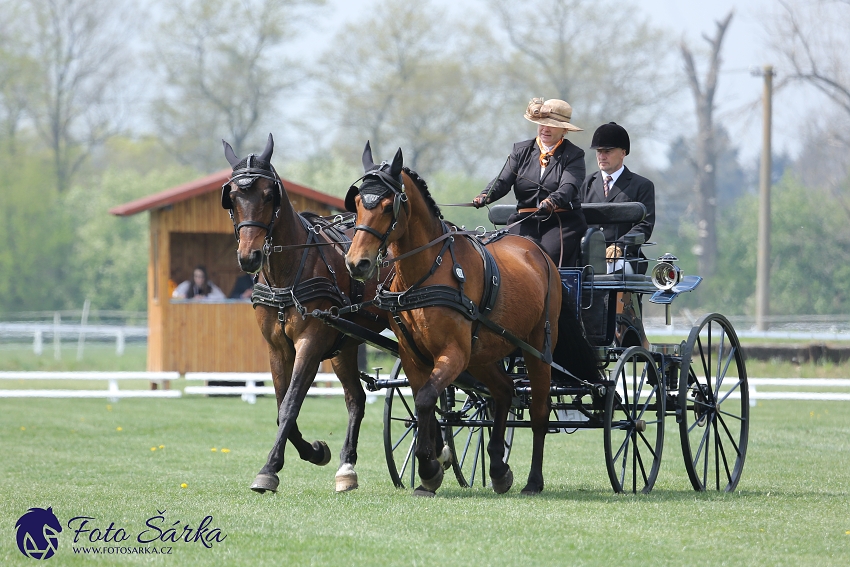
(37, 533)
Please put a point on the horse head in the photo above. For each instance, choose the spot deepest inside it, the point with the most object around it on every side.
(253, 196)
(382, 209)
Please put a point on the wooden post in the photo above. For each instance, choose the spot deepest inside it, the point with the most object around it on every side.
(763, 254)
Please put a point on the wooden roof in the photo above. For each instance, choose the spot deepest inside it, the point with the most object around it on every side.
(207, 184)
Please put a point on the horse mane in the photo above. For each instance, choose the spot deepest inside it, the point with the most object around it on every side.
(423, 188)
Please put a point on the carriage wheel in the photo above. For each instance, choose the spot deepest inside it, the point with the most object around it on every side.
(634, 422)
(714, 405)
(468, 443)
(401, 430)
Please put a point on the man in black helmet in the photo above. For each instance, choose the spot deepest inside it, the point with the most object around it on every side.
(614, 183)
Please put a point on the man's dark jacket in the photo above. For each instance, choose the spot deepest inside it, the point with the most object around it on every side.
(628, 187)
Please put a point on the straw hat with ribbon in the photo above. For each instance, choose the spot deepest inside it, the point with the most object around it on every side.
(553, 112)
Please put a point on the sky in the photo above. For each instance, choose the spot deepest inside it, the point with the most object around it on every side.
(739, 92)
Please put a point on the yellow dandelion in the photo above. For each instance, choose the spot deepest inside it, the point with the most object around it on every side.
(108, 407)
(119, 428)
(184, 485)
(225, 450)
(162, 446)
(153, 448)
(23, 428)
(847, 532)
(811, 414)
(213, 449)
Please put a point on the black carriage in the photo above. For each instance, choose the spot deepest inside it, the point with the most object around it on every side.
(700, 382)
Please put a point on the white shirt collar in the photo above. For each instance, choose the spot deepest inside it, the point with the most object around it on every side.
(615, 175)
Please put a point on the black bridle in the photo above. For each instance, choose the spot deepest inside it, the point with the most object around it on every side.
(386, 185)
(244, 178)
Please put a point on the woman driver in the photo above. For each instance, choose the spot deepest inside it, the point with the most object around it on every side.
(545, 174)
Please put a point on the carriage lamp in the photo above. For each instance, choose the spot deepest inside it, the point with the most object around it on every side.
(666, 274)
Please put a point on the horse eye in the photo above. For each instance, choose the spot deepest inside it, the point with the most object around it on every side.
(388, 209)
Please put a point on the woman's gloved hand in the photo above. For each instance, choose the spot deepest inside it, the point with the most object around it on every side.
(480, 200)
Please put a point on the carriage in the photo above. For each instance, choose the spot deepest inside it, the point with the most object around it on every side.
(700, 382)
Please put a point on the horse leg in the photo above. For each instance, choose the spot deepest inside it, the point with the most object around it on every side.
(345, 367)
(446, 368)
(539, 374)
(304, 370)
(501, 390)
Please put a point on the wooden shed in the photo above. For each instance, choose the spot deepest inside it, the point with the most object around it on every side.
(188, 228)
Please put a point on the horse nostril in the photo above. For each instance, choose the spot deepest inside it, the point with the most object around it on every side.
(364, 265)
(252, 262)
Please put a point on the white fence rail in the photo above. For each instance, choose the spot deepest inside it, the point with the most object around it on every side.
(250, 390)
(112, 392)
(327, 384)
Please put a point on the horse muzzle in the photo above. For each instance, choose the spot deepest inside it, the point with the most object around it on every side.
(251, 262)
(361, 269)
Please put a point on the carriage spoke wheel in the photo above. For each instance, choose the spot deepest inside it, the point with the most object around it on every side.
(400, 433)
(714, 406)
(634, 422)
(401, 430)
(468, 443)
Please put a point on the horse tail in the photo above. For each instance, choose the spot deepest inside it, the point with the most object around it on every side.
(573, 351)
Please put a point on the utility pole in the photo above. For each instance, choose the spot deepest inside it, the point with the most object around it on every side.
(763, 254)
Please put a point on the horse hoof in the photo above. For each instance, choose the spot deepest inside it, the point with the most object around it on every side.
(321, 447)
(432, 484)
(502, 485)
(445, 458)
(423, 492)
(346, 478)
(531, 490)
(264, 482)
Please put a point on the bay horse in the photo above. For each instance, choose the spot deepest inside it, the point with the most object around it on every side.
(473, 298)
(295, 273)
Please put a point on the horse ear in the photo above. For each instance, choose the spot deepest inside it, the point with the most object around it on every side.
(230, 154)
(398, 162)
(267, 153)
(368, 163)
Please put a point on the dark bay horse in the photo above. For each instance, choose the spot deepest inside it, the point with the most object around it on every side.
(441, 284)
(299, 268)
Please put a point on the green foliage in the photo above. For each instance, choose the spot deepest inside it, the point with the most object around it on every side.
(37, 236)
(60, 249)
(809, 255)
(112, 252)
(332, 175)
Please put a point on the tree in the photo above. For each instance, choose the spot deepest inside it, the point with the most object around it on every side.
(602, 57)
(17, 83)
(75, 52)
(705, 156)
(810, 41)
(111, 253)
(223, 71)
(399, 82)
(37, 235)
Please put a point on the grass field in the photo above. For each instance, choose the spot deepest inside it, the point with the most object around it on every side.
(91, 458)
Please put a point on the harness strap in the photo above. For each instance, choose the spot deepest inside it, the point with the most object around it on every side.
(409, 338)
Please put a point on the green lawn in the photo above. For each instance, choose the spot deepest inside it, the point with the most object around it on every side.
(792, 506)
